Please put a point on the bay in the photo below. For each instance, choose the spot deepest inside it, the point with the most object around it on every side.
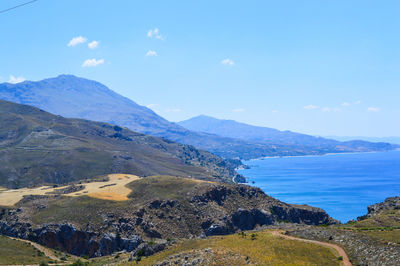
(341, 184)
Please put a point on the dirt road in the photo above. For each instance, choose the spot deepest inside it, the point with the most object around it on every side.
(339, 250)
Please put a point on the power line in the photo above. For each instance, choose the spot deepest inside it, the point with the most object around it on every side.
(14, 7)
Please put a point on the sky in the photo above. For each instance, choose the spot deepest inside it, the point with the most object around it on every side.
(318, 67)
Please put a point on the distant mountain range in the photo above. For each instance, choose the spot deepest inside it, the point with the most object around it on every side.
(37, 147)
(74, 97)
(265, 135)
(394, 140)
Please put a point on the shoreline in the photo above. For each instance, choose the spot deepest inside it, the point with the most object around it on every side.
(342, 216)
(312, 155)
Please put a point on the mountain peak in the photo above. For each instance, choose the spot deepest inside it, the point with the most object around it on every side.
(66, 76)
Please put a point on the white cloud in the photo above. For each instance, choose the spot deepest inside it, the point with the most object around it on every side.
(357, 102)
(326, 109)
(76, 40)
(155, 33)
(373, 109)
(92, 62)
(274, 111)
(151, 53)
(345, 104)
(173, 110)
(238, 110)
(228, 62)
(15, 80)
(93, 45)
(310, 107)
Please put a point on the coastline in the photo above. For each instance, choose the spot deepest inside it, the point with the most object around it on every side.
(357, 181)
(313, 155)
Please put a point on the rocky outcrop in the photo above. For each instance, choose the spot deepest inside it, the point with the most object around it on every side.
(244, 219)
(248, 219)
(392, 203)
(146, 249)
(302, 215)
(66, 237)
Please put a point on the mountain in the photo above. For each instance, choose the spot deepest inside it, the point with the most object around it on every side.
(394, 140)
(37, 147)
(265, 135)
(75, 97)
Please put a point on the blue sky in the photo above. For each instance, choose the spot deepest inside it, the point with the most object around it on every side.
(318, 67)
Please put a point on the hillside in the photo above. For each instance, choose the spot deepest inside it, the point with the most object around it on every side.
(78, 221)
(15, 252)
(74, 97)
(37, 147)
(248, 248)
(374, 239)
(264, 135)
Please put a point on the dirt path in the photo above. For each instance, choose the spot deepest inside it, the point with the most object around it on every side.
(340, 250)
(47, 252)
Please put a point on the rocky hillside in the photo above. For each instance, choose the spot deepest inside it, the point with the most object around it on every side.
(37, 147)
(362, 248)
(390, 204)
(374, 239)
(159, 207)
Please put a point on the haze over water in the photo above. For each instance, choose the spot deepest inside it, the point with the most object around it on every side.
(341, 184)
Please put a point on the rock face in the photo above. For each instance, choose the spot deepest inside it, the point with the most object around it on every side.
(392, 203)
(145, 249)
(161, 208)
(66, 237)
(296, 214)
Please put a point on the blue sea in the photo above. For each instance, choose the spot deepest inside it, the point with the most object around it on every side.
(341, 184)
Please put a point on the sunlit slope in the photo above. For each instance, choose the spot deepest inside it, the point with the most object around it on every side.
(37, 147)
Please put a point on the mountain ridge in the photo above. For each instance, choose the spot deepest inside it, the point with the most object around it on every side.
(75, 97)
(37, 147)
(266, 135)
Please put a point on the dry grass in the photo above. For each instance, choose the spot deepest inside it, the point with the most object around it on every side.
(384, 235)
(113, 189)
(12, 196)
(18, 252)
(262, 248)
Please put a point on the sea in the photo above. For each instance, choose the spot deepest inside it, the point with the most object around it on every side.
(342, 184)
